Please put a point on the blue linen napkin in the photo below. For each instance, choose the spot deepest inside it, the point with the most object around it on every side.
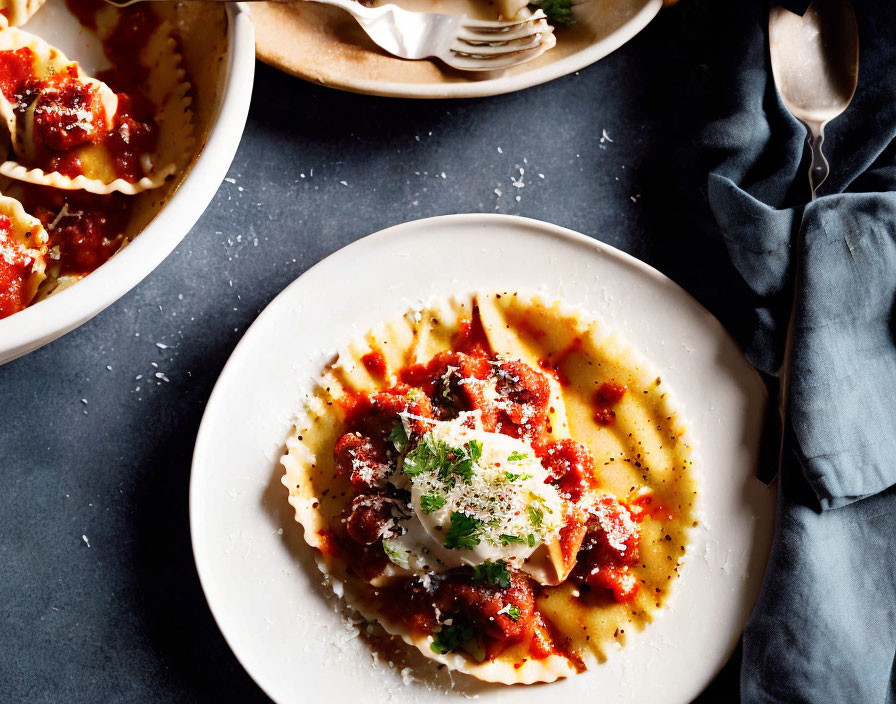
(824, 629)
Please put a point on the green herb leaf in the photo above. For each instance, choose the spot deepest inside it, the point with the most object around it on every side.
(474, 447)
(508, 539)
(513, 612)
(398, 437)
(423, 458)
(431, 502)
(463, 533)
(531, 540)
(536, 516)
(411, 467)
(494, 573)
(559, 12)
(450, 638)
(517, 457)
(511, 477)
(464, 468)
(396, 555)
(433, 455)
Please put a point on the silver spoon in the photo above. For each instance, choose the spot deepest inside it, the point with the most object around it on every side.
(815, 64)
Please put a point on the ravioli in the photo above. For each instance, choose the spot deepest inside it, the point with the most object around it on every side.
(497, 480)
(17, 12)
(23, 248)
(70, 131)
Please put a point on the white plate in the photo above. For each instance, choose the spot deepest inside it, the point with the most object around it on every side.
(325, 45)
(51, 318)
(257, 573)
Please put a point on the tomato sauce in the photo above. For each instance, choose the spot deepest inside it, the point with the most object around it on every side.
(608, 395)
(16, 68)
(471, 337)
(85, 229)
(15, 268)
(555, 364)
(375, 363)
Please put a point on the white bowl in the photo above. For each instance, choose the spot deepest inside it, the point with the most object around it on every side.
(51, 318)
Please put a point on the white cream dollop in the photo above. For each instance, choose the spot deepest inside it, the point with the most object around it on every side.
(502, 501)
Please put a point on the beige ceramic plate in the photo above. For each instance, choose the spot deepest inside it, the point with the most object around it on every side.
(325, 45)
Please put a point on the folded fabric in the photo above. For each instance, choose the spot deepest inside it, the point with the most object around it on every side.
(824, 629)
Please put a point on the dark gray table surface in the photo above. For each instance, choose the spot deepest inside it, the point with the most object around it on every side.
(99, 595)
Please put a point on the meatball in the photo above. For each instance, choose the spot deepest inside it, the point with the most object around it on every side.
(366, 464)
(482, 605)
(613, 535)
(524, 396)
(571, 467)
(370, 517)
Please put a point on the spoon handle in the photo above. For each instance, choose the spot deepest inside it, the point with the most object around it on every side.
(819, 167)
(818, 172)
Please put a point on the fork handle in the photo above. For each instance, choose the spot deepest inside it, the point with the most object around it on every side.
(360, 12)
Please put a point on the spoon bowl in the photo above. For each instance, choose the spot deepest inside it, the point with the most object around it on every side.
(815, 63)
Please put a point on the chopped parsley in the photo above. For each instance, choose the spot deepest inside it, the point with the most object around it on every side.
(559, 12)
(399, 437)
(536, 516)
(463, 534)
(475, 449)
(399, 557)
(494, 573)
(511, 477)
(431, 502)
(512, 611)
(517, 457)
(426, 457)
(433, 455)
(510, 539)
(450, 638)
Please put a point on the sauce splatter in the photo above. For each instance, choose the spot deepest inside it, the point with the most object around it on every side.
(375, 363)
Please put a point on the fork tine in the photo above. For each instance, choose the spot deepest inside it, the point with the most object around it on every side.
(486, 51)
(522, 32)
(498, 27)
(467, 63)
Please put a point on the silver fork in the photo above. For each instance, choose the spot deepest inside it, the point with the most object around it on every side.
(457, 40)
